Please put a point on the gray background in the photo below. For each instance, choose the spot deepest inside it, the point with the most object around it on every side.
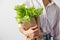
(8, 25)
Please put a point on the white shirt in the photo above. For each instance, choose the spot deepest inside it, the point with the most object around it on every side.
(49, 21)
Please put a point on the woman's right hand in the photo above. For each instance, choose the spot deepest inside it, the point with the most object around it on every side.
(33, 32)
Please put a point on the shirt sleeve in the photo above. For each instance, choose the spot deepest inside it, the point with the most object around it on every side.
(56, 29)
(43, 23)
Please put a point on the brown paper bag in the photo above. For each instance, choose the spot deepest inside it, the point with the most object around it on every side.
(32, 23)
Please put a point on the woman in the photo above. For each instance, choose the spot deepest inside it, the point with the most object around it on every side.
(49, 20)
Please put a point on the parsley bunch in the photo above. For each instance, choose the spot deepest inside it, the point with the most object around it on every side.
(25, 14)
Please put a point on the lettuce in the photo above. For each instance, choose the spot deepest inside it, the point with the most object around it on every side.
(25, 14)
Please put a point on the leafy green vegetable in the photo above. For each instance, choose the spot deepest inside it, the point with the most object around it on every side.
(25, 14)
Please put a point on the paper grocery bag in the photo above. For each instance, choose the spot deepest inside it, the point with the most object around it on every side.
(34, 21)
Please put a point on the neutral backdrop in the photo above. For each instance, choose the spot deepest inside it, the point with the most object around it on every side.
(8, 25)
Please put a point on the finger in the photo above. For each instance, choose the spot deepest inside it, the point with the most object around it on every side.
(34, 27)
(36, 35)
(36, 30)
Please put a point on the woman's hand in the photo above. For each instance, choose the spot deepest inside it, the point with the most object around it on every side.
(33, 32)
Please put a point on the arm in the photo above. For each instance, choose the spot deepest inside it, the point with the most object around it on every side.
(31, 33)
(21, 29)
(56, 28)
(56, 32)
